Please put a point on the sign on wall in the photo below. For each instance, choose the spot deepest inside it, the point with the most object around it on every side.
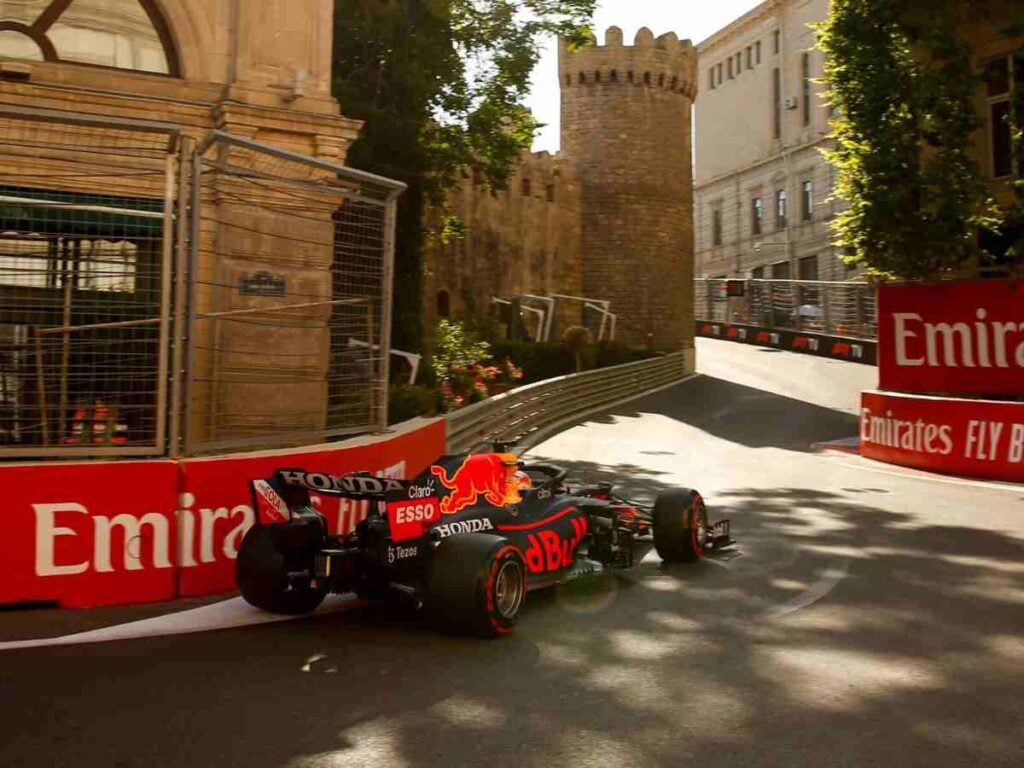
(114, 533)
(973, 438)
(952, 338)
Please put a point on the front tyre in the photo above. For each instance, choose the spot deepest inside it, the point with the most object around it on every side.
(476, 584)
(262, 575)
(680, 525)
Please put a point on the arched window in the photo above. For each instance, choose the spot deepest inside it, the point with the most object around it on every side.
(121, 34)
(444, 308)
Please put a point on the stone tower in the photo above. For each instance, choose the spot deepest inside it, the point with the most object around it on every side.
(626, 133)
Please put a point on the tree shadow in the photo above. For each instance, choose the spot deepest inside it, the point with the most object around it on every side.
(740, 414)
(842, 634)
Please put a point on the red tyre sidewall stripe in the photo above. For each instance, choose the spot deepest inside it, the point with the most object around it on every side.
(492, 578)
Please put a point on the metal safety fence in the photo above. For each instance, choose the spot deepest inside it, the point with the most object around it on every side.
(835, 308)
(87, 210)
(161, 295)
(519, 415)
(290, 297)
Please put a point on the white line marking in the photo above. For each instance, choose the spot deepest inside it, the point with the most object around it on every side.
(224, 615)
(828, 581)
(913, 474)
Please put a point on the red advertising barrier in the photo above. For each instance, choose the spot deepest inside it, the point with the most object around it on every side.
(952, 338)
(971, 438)
(89, 534)
(114, 533)
(216, 508)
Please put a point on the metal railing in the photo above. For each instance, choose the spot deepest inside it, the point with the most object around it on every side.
(516, 415)
(834, 308)
(163, 298)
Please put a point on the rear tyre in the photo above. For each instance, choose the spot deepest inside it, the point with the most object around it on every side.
(476, 584)
(680, 525)
(262, 575)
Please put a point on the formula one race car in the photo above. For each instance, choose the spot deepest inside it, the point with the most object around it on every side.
(463, 541)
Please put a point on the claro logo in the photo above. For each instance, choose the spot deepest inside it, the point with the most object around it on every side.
(982, 344)
(134, 542)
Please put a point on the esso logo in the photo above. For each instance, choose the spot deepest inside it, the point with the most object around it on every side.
(425, 511)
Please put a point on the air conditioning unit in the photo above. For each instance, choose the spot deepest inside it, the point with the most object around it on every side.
(792, 102)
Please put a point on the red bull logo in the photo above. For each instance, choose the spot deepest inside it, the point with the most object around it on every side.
(734, 333)
(491, 475)
(705, 329)
(800, 342)
(842, 348)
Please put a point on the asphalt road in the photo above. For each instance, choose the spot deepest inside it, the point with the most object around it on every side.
(868, 617)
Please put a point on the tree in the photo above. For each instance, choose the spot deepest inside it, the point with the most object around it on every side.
(440, 85)
(903, 84)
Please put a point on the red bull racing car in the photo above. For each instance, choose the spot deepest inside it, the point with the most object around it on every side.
(464, 541)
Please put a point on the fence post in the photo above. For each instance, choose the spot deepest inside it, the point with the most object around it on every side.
(179, 332)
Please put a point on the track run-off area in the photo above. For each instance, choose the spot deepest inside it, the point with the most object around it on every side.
(868, 616)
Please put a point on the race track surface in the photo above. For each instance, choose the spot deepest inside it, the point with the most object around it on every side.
(869, 616)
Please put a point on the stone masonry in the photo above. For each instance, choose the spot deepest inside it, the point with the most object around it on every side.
(621, 228)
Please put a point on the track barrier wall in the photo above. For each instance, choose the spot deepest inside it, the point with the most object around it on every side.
(111, 533)
(951, 379)
(823, 345)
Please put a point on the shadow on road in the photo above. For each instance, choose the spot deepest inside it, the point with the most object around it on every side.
(907, 653)
(743, 415)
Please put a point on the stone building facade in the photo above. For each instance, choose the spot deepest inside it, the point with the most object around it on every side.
(607, 218)
(762, 186)
(255, 69)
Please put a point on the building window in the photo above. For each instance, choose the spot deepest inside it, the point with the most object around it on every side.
(1000, 82)
(444, 308)
(525, 187)
(716, 227)
(757, 273)
(551, 193)
(805, 75)
(807, 201)
(729, 67)
(808, 268)
(123, 34)
(757, 52)
(750, 57)
(776, 103)
(776, 41)
(711, 78)
(739, 62)
(718, 71)
(780, 270)
(780, 209)
(756, 215)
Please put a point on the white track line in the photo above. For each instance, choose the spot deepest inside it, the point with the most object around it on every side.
(912, 474)
(228, 614)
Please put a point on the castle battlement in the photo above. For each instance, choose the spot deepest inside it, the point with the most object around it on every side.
(665, 62)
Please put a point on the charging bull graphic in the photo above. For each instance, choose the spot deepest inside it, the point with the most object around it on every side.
(491, 475)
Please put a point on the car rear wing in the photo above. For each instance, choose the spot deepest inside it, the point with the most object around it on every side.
(276, 497)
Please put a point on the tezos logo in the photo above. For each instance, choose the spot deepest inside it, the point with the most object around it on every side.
(464, 526)
(401, 553)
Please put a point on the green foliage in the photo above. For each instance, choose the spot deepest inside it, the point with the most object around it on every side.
(439, 83)
(456, 349)
(902, 80)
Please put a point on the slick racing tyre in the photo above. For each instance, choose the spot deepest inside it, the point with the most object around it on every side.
(262, 574)
(476, 584)
(680, 525)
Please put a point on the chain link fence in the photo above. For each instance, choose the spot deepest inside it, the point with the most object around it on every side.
(290, 284)
(834, 308)
(163, 298)
(87, 208)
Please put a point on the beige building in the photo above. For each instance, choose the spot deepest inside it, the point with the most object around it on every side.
(762, 187)
(93, 225)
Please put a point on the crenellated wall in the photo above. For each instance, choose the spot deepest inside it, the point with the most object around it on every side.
(621, 227)
(626, 130)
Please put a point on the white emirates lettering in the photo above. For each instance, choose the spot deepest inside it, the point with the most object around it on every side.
(981, 344)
